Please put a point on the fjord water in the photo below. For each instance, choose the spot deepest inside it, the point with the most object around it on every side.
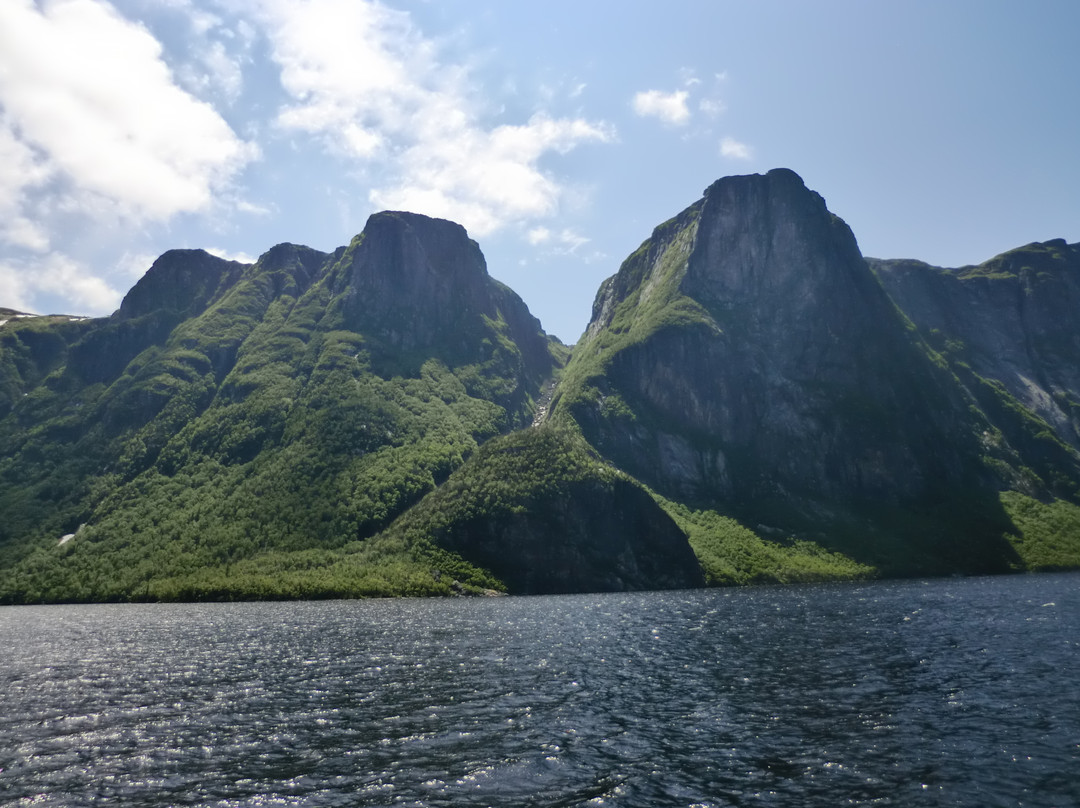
(943, 692)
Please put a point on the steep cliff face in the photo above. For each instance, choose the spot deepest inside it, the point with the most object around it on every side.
(411, 279)
(418, 287)
(1013, 319)
(745, 358)
(416, 281)
(592, 536)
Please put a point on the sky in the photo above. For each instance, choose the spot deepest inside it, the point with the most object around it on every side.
(558, 133)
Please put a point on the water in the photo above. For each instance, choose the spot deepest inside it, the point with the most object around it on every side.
(954, 692)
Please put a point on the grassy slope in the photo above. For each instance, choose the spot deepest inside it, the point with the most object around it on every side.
(1047, 536)
(732, 554)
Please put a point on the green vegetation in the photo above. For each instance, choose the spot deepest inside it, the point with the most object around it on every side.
(267, 431)
(513, 474)
(545, 514)
(1030, 259)
(87, 572)
(646, 298)
(732, 554)
(251, 451)
(1047, 534)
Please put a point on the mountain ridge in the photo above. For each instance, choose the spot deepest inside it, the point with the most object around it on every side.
(1011, 318)
(751, 401)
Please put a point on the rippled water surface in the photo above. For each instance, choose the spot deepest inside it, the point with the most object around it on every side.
(955, 692)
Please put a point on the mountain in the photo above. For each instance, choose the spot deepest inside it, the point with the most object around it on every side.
(1011, 320)
(752, 401)
(252, 430)
(746, 362)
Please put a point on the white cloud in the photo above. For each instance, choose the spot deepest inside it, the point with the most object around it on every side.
(538, 235)
(73, 282)
(713, 107)
(62, 280)
(252, 208)
(214, 71)
(20, 169)
(230, 255)
(133, 265)
(675, 108)
(13, 291)
(97, 139)
(86, 93)
(732, 148)
(486, 179)
(571, 241)
(563, 242)
(670, 108)
(364, 79)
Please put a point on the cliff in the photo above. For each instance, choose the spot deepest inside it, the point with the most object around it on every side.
(747, 360)
(1012, 319)
(546, 515)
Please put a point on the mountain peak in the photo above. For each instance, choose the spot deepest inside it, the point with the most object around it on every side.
(412, 277)
(779, 372)
(768, 234)
(180, 280)
(775, 179)
(415, 246)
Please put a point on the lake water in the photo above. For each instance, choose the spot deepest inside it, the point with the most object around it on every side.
(945, 692)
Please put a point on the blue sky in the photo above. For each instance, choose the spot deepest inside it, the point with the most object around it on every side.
(558, 133)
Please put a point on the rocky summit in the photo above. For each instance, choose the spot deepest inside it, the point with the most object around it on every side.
(752, 401)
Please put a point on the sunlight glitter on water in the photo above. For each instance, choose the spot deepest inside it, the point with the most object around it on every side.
(914, 693)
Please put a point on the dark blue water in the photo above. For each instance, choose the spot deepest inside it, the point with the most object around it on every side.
(955, 692)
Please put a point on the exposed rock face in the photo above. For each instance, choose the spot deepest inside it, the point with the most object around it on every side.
(414, 277)
(799, 367)
(747, 358)
(1014, 319)
(414, 283)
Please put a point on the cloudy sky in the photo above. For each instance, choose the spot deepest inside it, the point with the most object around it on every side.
(559, 133)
